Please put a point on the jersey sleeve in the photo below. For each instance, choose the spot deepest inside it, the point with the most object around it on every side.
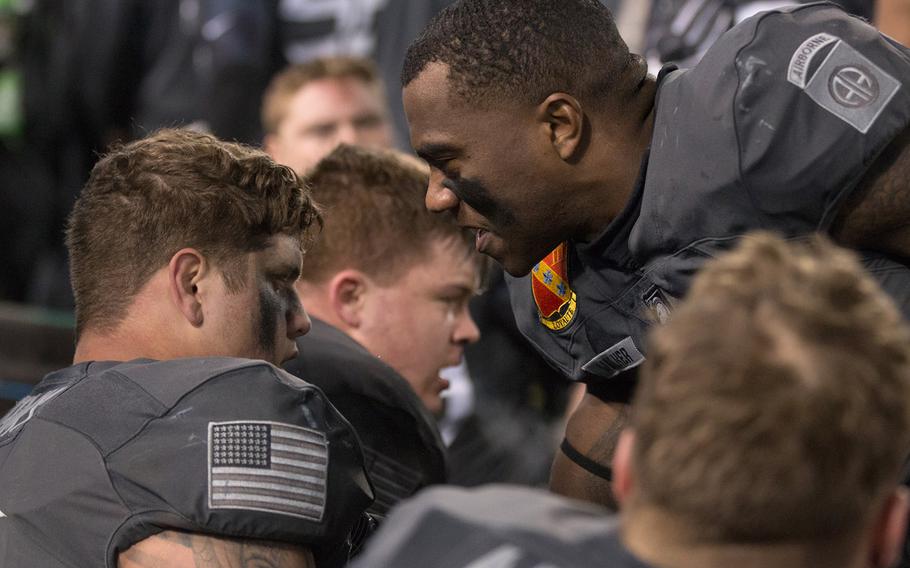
(820, 94)
(251, 453)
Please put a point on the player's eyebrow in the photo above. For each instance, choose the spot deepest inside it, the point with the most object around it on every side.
(433, 151)
(458, 289)
(285, 271)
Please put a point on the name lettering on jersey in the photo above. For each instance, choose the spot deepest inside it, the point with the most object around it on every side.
(25, 409)
(845, 83)
(268, 466)
(556, 302)
(621, 357)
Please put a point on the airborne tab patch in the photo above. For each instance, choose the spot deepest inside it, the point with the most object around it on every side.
(556, 302)
(846, 83)
(268, 466)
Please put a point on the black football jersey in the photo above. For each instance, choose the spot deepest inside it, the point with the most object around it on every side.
(402, 448)
(105, 454)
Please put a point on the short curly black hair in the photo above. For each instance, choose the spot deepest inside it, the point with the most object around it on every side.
(522, 49)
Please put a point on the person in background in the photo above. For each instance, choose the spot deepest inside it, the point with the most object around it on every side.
(310, 108)
(377, 29)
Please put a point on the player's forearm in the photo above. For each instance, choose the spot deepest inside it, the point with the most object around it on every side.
(172, 549)
(593, 431)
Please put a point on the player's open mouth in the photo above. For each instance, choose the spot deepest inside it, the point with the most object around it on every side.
(481, 237)
(441, 385)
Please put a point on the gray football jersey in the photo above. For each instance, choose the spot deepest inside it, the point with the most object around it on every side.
(104, 454)
(771, 130)
(497, 526)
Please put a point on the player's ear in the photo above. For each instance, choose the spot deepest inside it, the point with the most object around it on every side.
(890, 529)
(185, 272)
(347, 296)
(562, 120)
(623, 475)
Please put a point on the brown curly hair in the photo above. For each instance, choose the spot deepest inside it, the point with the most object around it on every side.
(146, 200)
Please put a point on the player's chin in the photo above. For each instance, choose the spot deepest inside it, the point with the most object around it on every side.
(434, 404)
(517, 265)
(289, 352)
(524, 253)
(496, 248)
(432, 395)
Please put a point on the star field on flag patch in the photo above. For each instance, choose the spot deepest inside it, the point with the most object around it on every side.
(268, 466)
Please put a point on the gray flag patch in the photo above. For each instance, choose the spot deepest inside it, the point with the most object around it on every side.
(268, 466)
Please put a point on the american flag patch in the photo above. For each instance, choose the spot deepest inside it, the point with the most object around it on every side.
(268, 466)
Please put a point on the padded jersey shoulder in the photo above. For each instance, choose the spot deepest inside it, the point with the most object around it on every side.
(229, 447)
(772, 129)
(497, 525)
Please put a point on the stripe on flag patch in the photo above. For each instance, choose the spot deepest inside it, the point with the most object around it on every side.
(392, 481)
(268, 466)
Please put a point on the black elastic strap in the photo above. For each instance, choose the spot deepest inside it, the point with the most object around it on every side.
(585, 462)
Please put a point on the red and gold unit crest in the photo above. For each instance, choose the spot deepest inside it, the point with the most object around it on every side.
(555, 300)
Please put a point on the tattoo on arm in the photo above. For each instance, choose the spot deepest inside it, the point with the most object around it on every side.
(173, 549)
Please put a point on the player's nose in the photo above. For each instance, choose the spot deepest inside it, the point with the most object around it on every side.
(299, 323)
(439, 197)
(466, 330)
(348, 134)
